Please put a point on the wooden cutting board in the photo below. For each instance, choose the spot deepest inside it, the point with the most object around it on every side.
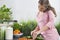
(24, 38)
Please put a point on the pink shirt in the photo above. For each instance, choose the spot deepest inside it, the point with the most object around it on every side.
(47, 19)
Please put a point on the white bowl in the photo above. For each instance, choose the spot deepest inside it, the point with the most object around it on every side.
(17, 35)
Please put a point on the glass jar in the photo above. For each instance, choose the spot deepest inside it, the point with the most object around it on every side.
(2, 31)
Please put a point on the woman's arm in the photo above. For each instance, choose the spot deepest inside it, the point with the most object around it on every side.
(42, 29)
(50, 23)
(38, 32)
(35, 30)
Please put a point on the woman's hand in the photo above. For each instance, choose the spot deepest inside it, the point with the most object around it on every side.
(32, 32)
(35, 35)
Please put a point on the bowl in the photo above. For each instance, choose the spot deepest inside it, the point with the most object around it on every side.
(17, 35)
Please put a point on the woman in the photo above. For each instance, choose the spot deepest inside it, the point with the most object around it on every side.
(45, 20)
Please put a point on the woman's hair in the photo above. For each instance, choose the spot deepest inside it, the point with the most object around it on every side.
(47, 6)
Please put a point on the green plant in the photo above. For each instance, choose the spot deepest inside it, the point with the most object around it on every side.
(58, 27)
(16, 26)
(27, 26)
(1, 34)
(5, 13)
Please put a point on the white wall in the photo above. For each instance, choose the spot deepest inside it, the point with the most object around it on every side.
(55, 4)
(8, 3)
(27, 9)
